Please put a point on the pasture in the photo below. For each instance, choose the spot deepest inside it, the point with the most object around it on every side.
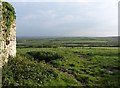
(86, 66)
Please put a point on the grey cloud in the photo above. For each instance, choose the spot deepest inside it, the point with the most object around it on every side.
(75, 19)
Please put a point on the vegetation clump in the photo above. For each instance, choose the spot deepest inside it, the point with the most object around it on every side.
(44, 55)
(8, 16)
(20, 71)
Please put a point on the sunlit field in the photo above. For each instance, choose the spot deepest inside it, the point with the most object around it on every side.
(92, 67)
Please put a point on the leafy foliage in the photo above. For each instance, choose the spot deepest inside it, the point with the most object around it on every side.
(8, 14)
(20, 71)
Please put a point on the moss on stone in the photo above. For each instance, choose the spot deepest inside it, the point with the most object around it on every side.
(0, 14)
(8, 16)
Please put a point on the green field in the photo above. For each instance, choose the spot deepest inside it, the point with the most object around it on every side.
(67, 42)
(84, 65)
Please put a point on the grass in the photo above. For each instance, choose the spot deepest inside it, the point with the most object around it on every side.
(82, 66)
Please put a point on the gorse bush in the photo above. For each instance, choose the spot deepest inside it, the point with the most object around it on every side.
(44, 55)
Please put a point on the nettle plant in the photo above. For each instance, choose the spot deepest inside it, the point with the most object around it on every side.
(8, 16)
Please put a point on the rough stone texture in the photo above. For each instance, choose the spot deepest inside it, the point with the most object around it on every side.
(0, 45)
(0, 34)
(7, 44)
(7, 48)
(12, 45)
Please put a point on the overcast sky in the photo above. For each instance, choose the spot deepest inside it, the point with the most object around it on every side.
(66, 17)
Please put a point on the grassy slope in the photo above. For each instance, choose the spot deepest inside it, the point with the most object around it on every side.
(78, 67)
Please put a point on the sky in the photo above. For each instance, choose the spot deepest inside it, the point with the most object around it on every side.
(94, 18)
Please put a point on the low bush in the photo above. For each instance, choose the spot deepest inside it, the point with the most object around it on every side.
(21, 71)
(44, 55)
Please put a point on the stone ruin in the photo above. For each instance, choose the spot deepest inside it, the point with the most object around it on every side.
(7, 32)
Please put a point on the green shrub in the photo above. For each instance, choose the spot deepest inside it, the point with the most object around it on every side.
(21, 71)
(44, 55)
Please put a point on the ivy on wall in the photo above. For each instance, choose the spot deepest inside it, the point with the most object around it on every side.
(8, 16)
(0, 14)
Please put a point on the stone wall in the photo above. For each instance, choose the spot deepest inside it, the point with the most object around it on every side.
(0, 34)
(0, 45)
(7, 41)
